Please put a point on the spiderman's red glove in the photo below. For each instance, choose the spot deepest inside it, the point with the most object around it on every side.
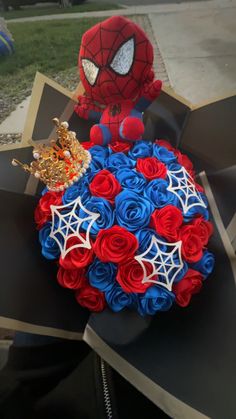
(152, 90)
(83, 107)
(87, 109)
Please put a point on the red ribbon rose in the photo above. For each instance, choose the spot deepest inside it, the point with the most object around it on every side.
(115, 244)
(185, 162)
(87, 145)
(199, 187)
(105, 185)
(189, 285)
(166, 144)
(120, 147)
(151, 168)
(191, 243)
(204, 229)
(71, 278)
(79, 257)
(167, 222)
(91, 298)
(40, 218)
(130, 275)
(43, 210)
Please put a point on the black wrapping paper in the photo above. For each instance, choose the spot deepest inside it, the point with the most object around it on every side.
(189, 352)
(29, 293)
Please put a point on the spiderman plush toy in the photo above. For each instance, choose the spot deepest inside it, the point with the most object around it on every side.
(115, 64)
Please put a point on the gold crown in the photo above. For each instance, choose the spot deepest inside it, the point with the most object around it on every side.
(58, 167)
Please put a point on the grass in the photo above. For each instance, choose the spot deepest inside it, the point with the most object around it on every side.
(46, 46)
(41, 11)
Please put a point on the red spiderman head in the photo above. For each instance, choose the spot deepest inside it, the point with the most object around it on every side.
(115, 60)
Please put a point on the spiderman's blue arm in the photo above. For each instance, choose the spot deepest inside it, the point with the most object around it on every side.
(150, 92)
(142, 104)
(94, 116)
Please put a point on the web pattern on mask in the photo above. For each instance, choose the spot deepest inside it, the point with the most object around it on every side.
(66, 223)
(166, 262)
(182, 185)
(106, 55)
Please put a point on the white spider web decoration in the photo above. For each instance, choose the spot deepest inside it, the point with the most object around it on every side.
(165, 265)
(181, 181)
(67, 224)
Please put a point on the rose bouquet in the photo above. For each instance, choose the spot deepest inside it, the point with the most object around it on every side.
(143, 229)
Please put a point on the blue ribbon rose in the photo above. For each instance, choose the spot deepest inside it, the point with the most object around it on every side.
(196, 209)
(141, 149)
(45, 190)
(106, 214)
(164, 155)
(144, 237)
(182, 272)
(80, 188)
(175, 167)
(117, 299)
(157, 192)
(94, 167)
(119, 161)
(206, 264)
(99, 154)
(155, 299)
(130, 179)
(132, 210)
(50, 248)
(102, 275)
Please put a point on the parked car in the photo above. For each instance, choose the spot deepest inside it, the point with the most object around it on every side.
(16, 4)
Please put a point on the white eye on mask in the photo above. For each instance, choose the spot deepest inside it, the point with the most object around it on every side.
(124, 57)
(90, 71)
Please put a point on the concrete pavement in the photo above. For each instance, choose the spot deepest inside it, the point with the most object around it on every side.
(198, 47)
(14, 123)
(140, 2)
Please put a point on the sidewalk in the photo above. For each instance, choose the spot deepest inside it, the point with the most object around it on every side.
(195, 40)
(199, 50)
(135, 10)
